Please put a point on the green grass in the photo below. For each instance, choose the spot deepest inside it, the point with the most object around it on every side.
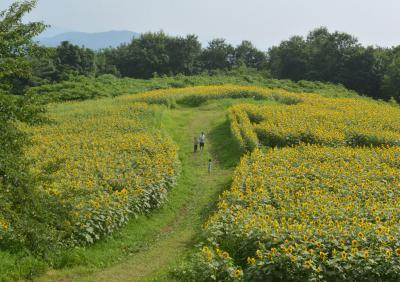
(150, 246)
(14, 266)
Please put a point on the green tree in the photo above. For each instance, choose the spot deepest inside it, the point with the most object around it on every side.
(145, 56)
(289, 60)
(391, 79)
(218, 55)
(105, 61)
(183, 54)
(332, 57)
(120, 58)
(44, 68)
(247, 54)
(72, 59)
(20, 203)
(362, 72)
(155, 53)
(16, 43)
(327, 54)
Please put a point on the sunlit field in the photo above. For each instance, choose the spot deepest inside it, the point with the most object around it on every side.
(104, 162)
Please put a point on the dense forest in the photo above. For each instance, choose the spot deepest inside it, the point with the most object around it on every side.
(335, 57)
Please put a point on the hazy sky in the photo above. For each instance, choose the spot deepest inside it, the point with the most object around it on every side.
(264, 22)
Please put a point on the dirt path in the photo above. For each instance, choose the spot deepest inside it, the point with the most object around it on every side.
(195, 194)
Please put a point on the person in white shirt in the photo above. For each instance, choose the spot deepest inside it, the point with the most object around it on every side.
(202, 138)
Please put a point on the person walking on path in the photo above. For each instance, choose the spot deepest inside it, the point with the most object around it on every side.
(202, 138)
(195, 144)
(209, 166)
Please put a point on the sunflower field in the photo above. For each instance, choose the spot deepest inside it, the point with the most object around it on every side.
(316, 120)
(308, 213)
(315, 198)
(103, 162)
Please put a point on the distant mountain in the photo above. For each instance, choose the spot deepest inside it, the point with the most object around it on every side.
(53, 31)
(95, 40)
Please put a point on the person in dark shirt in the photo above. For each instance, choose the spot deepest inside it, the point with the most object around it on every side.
(195, 144)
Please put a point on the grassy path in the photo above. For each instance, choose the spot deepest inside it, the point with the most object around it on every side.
(147, 248)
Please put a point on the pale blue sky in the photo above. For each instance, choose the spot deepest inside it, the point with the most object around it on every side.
(264, 22)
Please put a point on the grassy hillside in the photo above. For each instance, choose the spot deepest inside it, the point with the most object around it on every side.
(82, 88)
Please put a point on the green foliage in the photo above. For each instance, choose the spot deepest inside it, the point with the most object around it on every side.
(13, 267)
(289, 59)
(73, 59)
(250, 56)
(63, 63)
(335, 57)
(24, 211)
(218, 55)
(16, 42)
(155, 53)
(82, 88)
(201, 268)
(391, 79)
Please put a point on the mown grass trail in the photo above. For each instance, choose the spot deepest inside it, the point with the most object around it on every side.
(150, 246)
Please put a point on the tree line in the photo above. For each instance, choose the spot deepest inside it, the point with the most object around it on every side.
(338, 58)
(322, 55)
(144, 57)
